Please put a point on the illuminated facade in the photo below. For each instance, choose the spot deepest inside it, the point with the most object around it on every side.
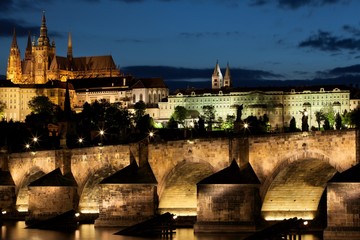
(41, 63)
(279, 104)
(17, 96)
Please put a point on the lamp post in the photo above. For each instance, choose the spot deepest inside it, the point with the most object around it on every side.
(101, 133)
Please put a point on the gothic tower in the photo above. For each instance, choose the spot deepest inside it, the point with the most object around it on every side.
(14, 62)
(43, 54)
(227, 77)
(217, 77)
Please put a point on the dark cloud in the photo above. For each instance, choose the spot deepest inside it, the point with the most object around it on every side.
(7, 27)
(22, 29)
(177, 77)
(129, 1)
(130, 40)
(354, 69)
(208, 34)
(167, 72)
(294, 4)
(351, 29)
(325, 41)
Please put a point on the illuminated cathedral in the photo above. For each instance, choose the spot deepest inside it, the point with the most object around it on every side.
(41, 64)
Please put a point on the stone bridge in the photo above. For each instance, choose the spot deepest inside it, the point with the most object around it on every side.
(293, 169)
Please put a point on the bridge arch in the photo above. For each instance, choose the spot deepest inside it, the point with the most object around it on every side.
(90, 192)
(178, 193)
(22, 196)
(296, 186)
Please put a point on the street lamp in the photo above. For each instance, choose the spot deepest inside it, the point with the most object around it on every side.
(101, 133)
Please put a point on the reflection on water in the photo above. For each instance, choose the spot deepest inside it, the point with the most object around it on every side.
(17, 231)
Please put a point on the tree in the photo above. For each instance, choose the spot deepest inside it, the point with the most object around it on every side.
(172, 123)
(329, 114)
(326, 124)
(338, 121)
(292, 127)
(319, 116)
(346, 118)
(180, 115)
(140, 109)
(209, 115)
(355, 117)
(41, 105)
(229, 122)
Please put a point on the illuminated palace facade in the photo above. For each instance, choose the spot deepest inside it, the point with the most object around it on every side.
(279, 104)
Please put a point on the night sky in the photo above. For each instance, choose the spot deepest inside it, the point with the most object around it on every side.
(274, 39)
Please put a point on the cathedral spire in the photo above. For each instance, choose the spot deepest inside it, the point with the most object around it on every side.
(217, 77)
(13, 71)
(70, 50)
(14, 41)
(43, 39)
(227, 77)
(28, 48)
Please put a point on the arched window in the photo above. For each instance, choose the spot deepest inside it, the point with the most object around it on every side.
(150, 98)
(134, 98)
(155, 98)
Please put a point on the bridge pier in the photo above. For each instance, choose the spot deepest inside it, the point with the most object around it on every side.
(343, 206)
(228, 201)
(128, 197)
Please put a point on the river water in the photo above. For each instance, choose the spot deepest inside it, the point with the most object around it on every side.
(17, 231)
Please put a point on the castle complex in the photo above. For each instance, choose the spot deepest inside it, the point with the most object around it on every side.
(42, 72)
(41, 63)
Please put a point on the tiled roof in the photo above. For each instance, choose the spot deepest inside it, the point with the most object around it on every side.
(55, 178)
(227, 90)
(233, 175)
(149, 83)
(132, 174)
(84, 63)
(6, 179)
(101, 83)
(350, 175)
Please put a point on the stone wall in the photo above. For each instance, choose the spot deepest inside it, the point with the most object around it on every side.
(165, 156)
(86, 163)
(7, 197)
(227, 207)
(49, 201)
(126, 204)
(343, 211)
(266, 153)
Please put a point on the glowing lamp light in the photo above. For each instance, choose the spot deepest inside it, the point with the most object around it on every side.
(102, 132)
(151, 134)
(3, 212)
(77, 214)
(35, 139)
(80, 140)
(305, 223)
(27, 146)
(246, 125)
(174, 217)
